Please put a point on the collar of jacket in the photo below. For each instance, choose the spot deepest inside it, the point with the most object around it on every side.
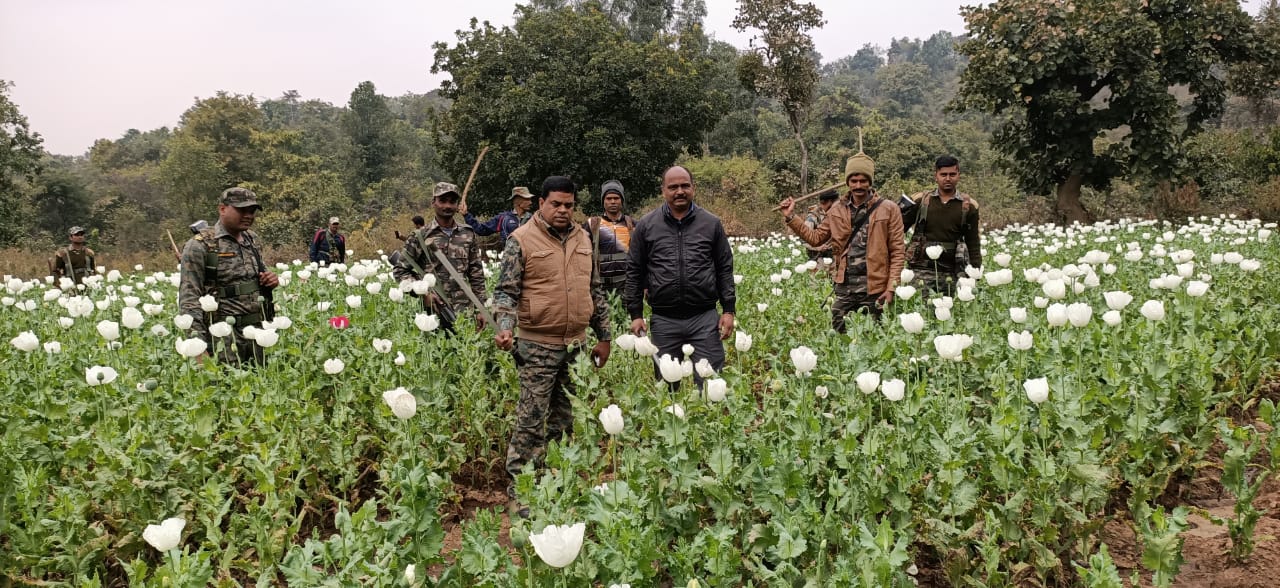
(220, 231)
(435, 224)
(688, 217)
(554, 232)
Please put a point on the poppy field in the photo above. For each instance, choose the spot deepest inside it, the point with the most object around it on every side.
(982, 439)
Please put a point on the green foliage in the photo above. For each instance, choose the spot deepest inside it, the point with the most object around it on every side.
(224, 125)
(565, 91)
(784, 66)
(1060, 74)
(19, 162)
(60, 199)
(368, 124)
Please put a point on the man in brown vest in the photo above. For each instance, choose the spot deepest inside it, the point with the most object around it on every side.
(547, 287)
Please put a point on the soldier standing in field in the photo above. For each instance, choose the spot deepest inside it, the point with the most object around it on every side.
(458, 242)
(328, 245)
(945, 218)
(507, 221)
(611, 234)
(866, 236)
(75, 261)
(548, 288)
(225, 262)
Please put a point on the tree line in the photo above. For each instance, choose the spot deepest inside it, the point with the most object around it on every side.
(1089, 107)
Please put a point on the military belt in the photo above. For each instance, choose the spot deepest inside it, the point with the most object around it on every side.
(240, 289)
(253, 318)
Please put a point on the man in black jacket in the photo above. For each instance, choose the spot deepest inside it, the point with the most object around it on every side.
(681, 259)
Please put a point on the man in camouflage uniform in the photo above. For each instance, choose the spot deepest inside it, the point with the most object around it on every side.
(865, 232)
(814, 217)
(224, 261)
(458, 242)
(948, 219)
(75, 262)
(549, 289)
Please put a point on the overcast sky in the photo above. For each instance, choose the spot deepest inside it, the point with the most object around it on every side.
(89, 69)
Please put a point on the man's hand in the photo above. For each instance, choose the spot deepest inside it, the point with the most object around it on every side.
(726, 325)
(885, 298)
(480, 322)
(787, 206)
(504, 340)
(398, 235)
(637, 327)
(462, 208)
(434, 299)
(268, 279)
(600, 353)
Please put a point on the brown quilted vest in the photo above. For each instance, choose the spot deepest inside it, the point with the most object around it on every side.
(555, 300)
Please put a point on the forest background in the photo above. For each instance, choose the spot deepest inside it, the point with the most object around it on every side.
(1058, 111)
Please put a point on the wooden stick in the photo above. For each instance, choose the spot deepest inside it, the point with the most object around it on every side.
(173, 244)
(474, 167)
(809, 195)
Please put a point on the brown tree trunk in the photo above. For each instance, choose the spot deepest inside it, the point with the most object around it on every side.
(1068, 206)
(804, 164)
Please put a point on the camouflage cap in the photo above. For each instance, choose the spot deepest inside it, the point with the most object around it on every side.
(240, 198)
(521, 192)
(76, 231)
(443, 188)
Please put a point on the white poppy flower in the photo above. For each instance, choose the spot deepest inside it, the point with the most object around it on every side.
(804, 360)
(182, 321)
(220, 329)
(25, 341)
(1153, 310)
(1079, 313)
(742, 341)
(98, 375)
(208, 303)
(1037, 389)
(626, 341)
(716, 389)
(675, 409)
(611, 419)
(53, 347)
(190, 347)
(403, 404)
(400, 359)
(558, 545)
(382, 345)
(645, 348)
(894, 390)
(165, 536)
(1111, 317)
(868, 382)
(1057, 314)
(334, 366)
(1020, 341)
(911, 322)
(670, 368)
(109, 330)
(704, 369)
(1018, 314)
(933, 251)
(426, 322)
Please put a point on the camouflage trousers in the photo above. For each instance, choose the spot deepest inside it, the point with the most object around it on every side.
(848, 299)
(544, 412)
(238, 350)
(929, 280)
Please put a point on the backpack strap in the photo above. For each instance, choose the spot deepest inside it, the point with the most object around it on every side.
(207, 237)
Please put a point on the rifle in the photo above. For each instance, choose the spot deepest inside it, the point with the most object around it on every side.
(466, 289)
(268, 294)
